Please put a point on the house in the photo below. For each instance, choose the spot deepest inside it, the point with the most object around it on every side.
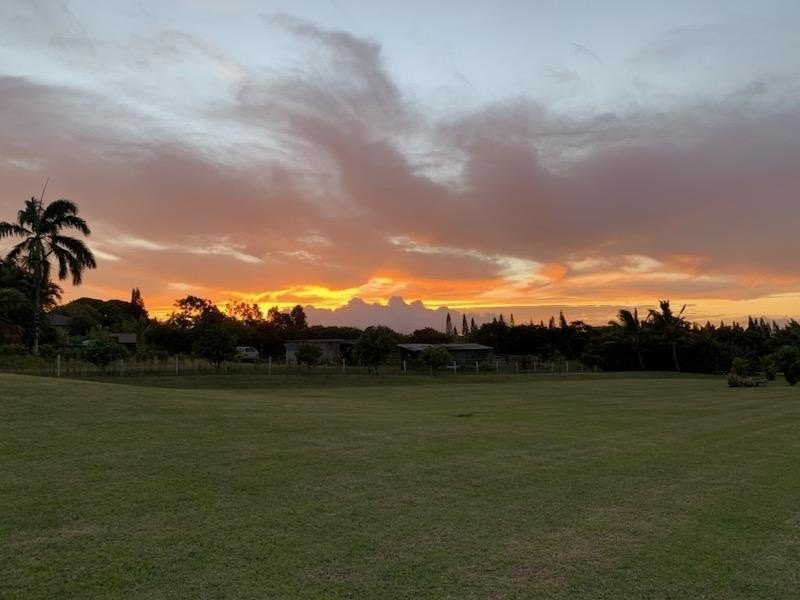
(463, 354)
(58, 321)
(333, 351)
(126, 339)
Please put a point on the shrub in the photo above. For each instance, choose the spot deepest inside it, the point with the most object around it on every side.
(308, 354)
(375, 345)
(735, 380)
(47, 351)
(739, 367)
(792, 373)
(13, 350)
(435, 357)
(102, 353)
(216, 344)
(770, 367)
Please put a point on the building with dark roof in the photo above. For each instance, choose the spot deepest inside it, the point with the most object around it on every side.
(333, 351)
(463, 354)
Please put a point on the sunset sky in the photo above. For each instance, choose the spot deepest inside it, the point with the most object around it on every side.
(485, 157)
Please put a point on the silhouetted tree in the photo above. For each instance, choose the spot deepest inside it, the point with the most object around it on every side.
(216, 343)
(137, 304)
(308, 354)
(41, 228)
(435, 357)
(299, 318)
(428, 335)
(249, 314)
(630, 327)
(375, 345)
(672, 326)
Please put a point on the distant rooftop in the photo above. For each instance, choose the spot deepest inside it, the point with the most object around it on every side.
(339, 340)
(420, 347)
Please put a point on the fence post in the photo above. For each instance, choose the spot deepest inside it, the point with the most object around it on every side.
(497, 366)
(404, 367)
(58, 365)
(455, 367)
(177, 369)
(477, 367)
(343, 367)
(269, 366)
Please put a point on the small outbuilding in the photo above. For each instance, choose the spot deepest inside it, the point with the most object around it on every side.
(333, 351)
(463, 354)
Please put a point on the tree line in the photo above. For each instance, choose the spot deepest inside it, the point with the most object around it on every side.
(30, 302)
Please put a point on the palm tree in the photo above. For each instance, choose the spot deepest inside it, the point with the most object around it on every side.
(40, 227)
(670, 325)
(631, 327)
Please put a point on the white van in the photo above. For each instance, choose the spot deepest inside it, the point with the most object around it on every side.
(246, 353)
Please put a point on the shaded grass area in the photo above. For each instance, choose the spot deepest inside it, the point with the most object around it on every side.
(556, 487)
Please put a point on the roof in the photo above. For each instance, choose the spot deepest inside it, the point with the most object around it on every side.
(57, 320)
(124, 338)
(328, 341)
(449, 347)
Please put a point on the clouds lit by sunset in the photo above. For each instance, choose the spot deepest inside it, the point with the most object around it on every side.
(517, 157)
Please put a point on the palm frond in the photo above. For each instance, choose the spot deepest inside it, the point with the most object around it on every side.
(13, 230)
(73, 222)
(77, 248)
(59, 209)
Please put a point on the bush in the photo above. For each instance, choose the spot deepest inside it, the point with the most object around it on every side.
(739, 367)
(788, 361)
(308, 354)
(770, 367)
(13, 350)
(216, 344)
(375, 345)
(47, 351)
(735, 380)
(435, 357)
(102, 353)
(792, 373)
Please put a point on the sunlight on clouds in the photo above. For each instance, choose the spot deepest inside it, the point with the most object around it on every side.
(223, 248)
(514, 270)
(301, 255)
(377, 289)
(587, 264)
(105, 255)
(634, 263)
(314, 239)
(140, 243)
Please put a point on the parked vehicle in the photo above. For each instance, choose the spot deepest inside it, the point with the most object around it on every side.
(246, 353)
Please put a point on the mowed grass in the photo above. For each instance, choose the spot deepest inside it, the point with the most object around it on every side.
(516, 487)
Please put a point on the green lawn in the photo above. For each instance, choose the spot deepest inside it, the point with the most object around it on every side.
(595, 487)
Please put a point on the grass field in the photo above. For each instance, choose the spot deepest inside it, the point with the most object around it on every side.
(208, 487)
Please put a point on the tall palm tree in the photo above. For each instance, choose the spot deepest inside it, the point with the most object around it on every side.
(671, 325)
(41, 228)
(631, 327)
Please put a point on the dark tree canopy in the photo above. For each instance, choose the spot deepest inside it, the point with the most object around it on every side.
(44, 244)
(375, 345)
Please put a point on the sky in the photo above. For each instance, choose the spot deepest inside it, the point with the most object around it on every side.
(392, 162)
